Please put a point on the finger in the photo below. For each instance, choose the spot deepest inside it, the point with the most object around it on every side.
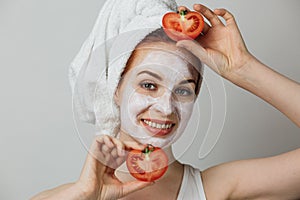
(203, 54)
(120, 160)
(96, 148)
(120, 147)
(108, 141)
(194, 48)
(209, 14)
(105, 149)
(104, 139)
(133, 186)
(101, 148)
(110, 162)
(205, 28)
(100, 156)
(114, 153)
(229, 18)
(112, 149)
(105, 143)
(129, 145)
(99, 139)
(182, 8)
(115, 162)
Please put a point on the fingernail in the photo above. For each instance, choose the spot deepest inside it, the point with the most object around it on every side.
(179, 44)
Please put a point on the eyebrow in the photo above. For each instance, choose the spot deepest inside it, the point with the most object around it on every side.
(151, 74)
(188, 81)
(159, 78)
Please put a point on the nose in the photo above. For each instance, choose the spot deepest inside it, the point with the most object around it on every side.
(165, 103)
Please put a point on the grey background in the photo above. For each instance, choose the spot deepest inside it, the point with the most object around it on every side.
(39, 146)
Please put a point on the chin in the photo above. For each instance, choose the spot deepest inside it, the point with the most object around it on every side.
(157, 141)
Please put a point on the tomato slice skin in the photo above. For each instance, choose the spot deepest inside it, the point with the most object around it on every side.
(183, 26)
(147, 165)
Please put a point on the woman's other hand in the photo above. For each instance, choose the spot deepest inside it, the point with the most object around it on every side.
(97, 180)
(221, 45)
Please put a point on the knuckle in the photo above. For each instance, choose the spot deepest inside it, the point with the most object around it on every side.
(105, 148)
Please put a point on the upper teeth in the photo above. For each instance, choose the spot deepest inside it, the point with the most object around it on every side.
(157, 125)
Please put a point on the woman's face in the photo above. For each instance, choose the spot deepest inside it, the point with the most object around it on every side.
(156, 96)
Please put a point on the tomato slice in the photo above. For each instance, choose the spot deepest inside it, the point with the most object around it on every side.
(147, 165)
(183, 25)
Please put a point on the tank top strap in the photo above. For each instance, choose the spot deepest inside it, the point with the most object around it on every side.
(191, 185)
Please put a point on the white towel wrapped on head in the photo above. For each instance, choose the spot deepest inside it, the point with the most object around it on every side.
(94, 73)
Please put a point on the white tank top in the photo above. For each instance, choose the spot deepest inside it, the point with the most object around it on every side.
(191, 185)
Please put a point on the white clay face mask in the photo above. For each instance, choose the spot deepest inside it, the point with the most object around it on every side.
(156, 99)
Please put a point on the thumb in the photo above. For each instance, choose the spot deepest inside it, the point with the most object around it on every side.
(200, 52)
(213, 59)
(194, 47)
(133, 186)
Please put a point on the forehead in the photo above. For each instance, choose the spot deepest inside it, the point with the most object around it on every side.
(164, 57)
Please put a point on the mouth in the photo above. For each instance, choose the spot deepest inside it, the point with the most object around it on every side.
(158, 127)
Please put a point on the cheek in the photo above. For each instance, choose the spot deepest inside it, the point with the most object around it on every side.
(185, 111)
(134, 103)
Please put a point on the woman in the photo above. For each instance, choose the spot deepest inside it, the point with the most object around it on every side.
(222, 48)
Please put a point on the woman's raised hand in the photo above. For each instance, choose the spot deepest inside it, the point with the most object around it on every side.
(97, 180)
(221, 45)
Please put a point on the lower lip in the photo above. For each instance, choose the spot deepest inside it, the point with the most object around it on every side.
(157, 131)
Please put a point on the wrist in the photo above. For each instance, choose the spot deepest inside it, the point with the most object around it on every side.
(248, 73)
(72, 192)
(67, 191)
(84, 191)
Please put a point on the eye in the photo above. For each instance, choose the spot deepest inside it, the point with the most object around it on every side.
(183, 92)
(148, 86)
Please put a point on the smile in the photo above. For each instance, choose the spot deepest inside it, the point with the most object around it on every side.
(159, 128)
(157, 125)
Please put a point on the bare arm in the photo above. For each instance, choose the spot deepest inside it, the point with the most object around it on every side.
(66, 191)
(276, 177)
(276, 89)
(222, 48)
